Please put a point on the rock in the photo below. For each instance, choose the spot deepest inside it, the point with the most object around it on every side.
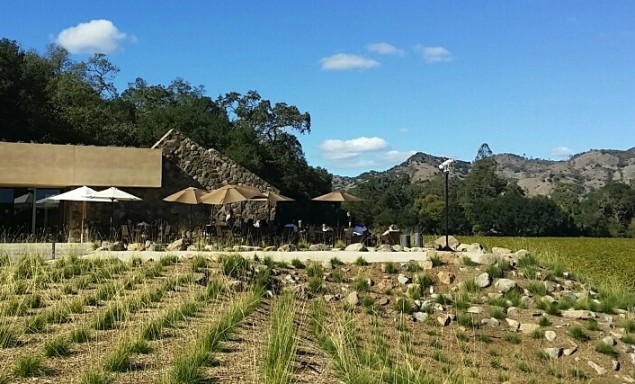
(628, 379)
(327, 265)
(287, 248)
(452, 242)
(550, 286)
(513, 312)
(494, 295)
(615, 364)
(547, 299)
(425, 264)
(578, 314)
(176, 245)
(521, 253)
(505, 285)
(444, 320)
(513, 324)
(550, 335)
(480, 257)
(446, 278)
(628, 348)
(475, 310)
(570, 351)
(528, 328)
(420, 316)
(501, 251)
(598, 369)
(356, 247)
(483, 280)
(290, 279)
(491, 322)
(553, 352)
(383, 301)
(352, 298)
(319, 247)
(609, 340)
(403, 279)
(632, 356)
(329, 298)
(474, 247)
(236, 285)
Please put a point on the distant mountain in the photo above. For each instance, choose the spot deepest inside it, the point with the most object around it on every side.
(591, 169)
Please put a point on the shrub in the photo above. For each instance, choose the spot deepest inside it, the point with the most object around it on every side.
(314, 270)
(537, 334)
(466, 320)
(512, 338)
(361, 261)
(404, 306)
(315, 285)
(423, 280)
(8, 337)
(297, 263)
(605, 349)
(335, 262)
(80, 335)
(168, 260)
(592, 325)
(544, 321)
(198, 262)
(94, 376)
(537, 288)
(390, 268)
(233, 265)
(119, 359)
(35, 324)
(361, 285)
(436, 260)
(29, 366)
(139, 346)
(578, 333)
(628, 339)
(57, 347)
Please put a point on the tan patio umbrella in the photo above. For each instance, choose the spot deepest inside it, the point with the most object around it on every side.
(232, 194)
(189, 195)
(337, 197)
(272, 197)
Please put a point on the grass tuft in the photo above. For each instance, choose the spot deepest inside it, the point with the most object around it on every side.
(57, 347)
(29, 366)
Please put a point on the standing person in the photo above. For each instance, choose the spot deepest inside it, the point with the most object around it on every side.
(349, 218)
(230, 218)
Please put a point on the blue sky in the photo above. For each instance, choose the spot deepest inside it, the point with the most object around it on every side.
(381, 79)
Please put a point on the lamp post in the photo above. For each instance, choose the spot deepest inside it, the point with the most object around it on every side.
(445, 168)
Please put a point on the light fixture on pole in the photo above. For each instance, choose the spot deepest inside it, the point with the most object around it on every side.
(445, 168)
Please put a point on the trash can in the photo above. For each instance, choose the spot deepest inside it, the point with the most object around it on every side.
(418, 240)
(405, 241)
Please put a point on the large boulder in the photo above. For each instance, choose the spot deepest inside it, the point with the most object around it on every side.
(452, 242)
(176, 245)
(357, 247)
(480, 258)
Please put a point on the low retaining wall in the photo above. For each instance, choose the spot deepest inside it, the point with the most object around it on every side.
(345, 256)
(45, 250)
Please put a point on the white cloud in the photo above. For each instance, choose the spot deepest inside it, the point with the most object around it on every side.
(403, 131)
(433, 55)
(340, 155)
(384, 49)
(346, 61)
(360, 144)
(397, 157)
(95, 36)
(561, 151)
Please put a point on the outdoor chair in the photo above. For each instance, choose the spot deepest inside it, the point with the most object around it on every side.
(351, 238)
(392, 238)
(125, 234)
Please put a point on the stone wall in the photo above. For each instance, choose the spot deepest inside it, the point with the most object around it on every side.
(185, 164)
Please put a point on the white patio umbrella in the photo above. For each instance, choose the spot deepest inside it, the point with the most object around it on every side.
(113, 194)
(82, 194)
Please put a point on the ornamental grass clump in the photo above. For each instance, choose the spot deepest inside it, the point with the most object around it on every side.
(277, 367)
(59, 346)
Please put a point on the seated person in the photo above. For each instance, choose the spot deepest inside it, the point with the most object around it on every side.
(391, 228)
(326, 228)
(359, 230)
(257, 223)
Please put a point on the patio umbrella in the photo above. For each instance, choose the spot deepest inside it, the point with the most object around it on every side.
(337, 197)
(113, 194)
(272, 197)
(232, 194)
(189, 195)
(83, 194)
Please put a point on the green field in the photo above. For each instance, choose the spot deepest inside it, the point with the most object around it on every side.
(608, 263)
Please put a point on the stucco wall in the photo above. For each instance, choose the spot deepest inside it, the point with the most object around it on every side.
(49, 165)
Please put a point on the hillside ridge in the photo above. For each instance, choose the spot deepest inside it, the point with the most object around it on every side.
(591, 170)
